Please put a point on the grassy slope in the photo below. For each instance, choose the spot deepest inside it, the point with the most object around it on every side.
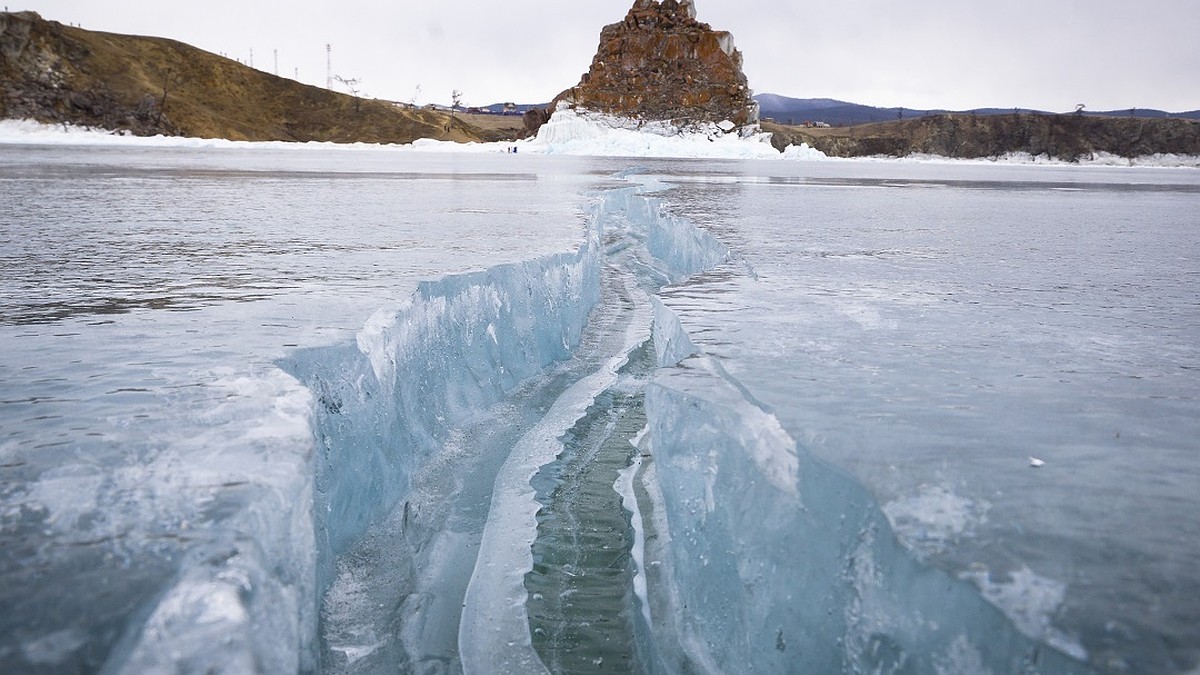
(495, 127)
(207, 96)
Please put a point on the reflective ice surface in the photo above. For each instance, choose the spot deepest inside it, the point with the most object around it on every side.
(933, 330)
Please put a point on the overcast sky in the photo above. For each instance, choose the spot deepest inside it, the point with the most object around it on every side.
(954, 54)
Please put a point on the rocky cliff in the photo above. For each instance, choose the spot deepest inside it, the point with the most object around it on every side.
(660, 63)
(144, 85)
(1068, 137)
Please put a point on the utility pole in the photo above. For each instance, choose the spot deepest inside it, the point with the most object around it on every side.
(329, 67)
(276, 63)
(252, 57)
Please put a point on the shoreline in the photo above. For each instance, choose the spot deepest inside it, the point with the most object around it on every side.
(33, 133)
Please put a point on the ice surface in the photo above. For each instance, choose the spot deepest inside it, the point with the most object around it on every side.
(277, 408)
(159, 470)
(784, 562)
(939, 329)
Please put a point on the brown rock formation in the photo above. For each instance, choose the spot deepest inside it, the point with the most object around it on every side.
(660, 63)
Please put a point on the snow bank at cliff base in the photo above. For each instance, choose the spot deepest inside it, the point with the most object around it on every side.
(567, 133)
(582, 132)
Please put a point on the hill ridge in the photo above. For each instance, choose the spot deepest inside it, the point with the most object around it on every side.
(792, 110)
(152, 85)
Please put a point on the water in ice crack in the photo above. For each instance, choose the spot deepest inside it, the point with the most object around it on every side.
(581, 604)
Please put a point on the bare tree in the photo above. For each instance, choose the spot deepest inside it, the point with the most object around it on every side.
(352, 85)
(455, 99)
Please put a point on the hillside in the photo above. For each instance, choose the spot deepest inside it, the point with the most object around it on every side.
(147, 85)
(1068, 137)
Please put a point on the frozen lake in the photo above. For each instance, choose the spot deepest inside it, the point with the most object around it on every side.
(290, 401)
(931, 329)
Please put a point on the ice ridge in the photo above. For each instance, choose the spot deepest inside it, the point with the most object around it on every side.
(410, 393)
(495, 631)
(457, 347)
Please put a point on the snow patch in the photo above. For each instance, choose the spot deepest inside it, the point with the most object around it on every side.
(583, 132)
(934, 518)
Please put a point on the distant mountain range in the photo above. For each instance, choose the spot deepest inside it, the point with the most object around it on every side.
(797, 111)
(507, 108)
(787, 110)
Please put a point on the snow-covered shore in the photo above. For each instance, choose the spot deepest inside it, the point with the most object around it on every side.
(571, 132)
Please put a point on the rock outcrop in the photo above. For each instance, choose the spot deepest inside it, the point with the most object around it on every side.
(39, 79)
(660, 63)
